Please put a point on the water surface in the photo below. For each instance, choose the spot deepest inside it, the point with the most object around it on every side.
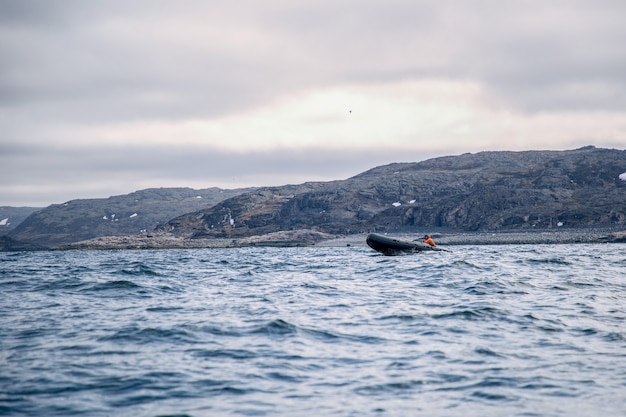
(515, 330)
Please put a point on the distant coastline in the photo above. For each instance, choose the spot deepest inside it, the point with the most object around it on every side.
(308, 238)
(530, 197)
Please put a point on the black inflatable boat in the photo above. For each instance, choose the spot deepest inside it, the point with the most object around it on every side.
(392, 246)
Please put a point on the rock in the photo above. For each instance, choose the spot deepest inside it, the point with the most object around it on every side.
(8, 244)
(11, 217)
(123, 215)
(493, 191)
(162, 240)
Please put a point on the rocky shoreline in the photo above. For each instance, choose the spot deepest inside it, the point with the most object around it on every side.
(534, 237)
(572, 236)
(169, 241)
(313, 238)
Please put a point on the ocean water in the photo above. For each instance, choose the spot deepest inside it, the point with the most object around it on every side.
(511, 330)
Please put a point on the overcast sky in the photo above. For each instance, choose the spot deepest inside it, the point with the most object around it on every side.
(99, 98)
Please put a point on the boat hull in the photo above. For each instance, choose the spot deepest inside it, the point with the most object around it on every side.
(391, 246)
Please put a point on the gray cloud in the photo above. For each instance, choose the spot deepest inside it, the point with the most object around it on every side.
(74, 63)
(112, 60)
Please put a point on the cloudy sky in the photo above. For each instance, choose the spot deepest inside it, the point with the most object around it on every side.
(100, 98)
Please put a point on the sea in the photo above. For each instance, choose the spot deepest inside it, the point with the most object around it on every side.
(503, 330)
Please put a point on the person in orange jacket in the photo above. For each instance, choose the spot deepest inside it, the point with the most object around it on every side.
(429, 240)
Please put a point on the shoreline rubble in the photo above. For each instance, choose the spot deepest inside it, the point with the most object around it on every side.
(313, 238)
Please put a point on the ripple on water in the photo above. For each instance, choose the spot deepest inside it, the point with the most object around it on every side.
(141, 336)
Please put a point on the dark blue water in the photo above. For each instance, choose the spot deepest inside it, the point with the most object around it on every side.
(489, 331)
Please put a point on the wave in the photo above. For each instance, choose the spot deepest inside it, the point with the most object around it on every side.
(485, 287)
(219, 387)
(276, 327)
(138, 269)
(62, 284)
(390, 388)
(224, 353)
(548, 261)
(280, 329)
(162, 309)
(461, 264)
(116, 285)
(479, 313)
(149, 335)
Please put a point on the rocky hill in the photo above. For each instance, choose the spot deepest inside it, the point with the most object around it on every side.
(487, 191)
(470, 192)
(11, 217)
(121, 215)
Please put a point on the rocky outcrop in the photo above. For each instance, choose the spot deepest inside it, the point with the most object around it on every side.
(8, 244)
(11, 217)
(470, 192)
(169, 241)
(122, 215)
